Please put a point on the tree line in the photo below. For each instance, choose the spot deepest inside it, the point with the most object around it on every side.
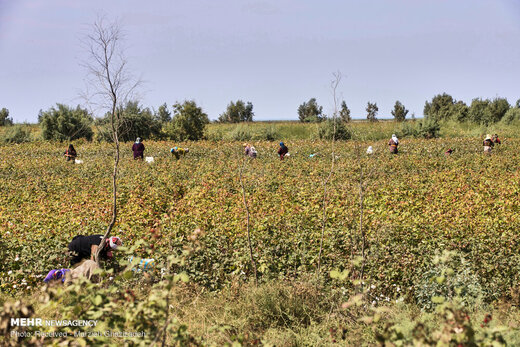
(187, 121)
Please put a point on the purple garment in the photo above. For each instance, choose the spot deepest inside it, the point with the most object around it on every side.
(138, 149)
(56, 275)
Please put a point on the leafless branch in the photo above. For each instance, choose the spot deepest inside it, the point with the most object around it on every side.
(333, 85)
(246, 207)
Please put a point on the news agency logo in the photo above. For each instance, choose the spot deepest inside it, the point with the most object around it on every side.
(38, 322)
(26, 322)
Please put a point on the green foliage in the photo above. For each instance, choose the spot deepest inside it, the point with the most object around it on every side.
(135, 121)
(241, 133)
(4, 117)
(344, 113)
(310, 112)
(428, 128)
(497, 108)
(451, 290)
(440, 108)
(460, 111)
(372, 110)
(16, 134)
(334, 129)
(478, 111)
(449, 275)
(188, 123)
(512, 115)
(237, 112)
(399, 112)
(163, 114)
(64, 123)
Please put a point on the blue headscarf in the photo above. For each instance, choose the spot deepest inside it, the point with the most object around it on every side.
(281, 144)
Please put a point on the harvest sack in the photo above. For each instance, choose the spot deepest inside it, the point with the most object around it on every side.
(86, 269)
(149, 159)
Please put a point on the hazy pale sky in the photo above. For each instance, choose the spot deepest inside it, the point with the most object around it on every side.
(276, 54)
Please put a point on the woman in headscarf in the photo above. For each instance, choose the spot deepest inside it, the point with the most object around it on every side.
(393, 143)
(85, 247)
(70, 153)
(247, 149)
(178, 151)
(138, 149)
(488, 144)
(283, 150)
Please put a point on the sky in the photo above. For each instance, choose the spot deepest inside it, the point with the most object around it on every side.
(276, 54)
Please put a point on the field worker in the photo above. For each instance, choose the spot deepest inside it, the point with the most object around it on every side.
(393, 143)
(488, 144)
(85, 247)
(252, 152)
(247, 149)
(138, 149)
(496, 140)
(283, 150)
(70, 153)
(178, 151)
(370, 150)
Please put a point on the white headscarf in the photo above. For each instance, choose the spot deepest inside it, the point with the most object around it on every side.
(113, 242)
(395, 139)
(138, 140)
(370, 150)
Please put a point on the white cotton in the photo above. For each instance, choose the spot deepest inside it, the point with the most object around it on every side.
(370, 150)
(149, 159)
(77, 161)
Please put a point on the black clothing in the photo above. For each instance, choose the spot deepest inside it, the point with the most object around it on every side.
(82, 246)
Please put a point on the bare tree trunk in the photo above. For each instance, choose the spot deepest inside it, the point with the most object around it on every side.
(361, 230)
(246, 207)
(334, 86)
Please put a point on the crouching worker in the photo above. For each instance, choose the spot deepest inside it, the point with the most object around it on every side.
(488, 144)
(283, 150)
(179, 151)
(85, 247)
(393, 143)
(70, 153)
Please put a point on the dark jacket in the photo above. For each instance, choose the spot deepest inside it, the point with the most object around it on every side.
(82, 246)
(70, 153)
(283, 151)
(488, 143)
(393, 146)
(138, 149)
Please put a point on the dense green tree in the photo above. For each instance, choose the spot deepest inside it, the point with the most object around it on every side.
(488, 111)
(444, 107)
(460, 111)
(188, 122)
(399, 112)
(517, 105)
(310, 111)
(372, 110)
(330, 129)
(4, 117)
(163, 115)
(440, 108)
(497, 108)
(65, 123)
(512, 115)
(478, 110)
(344, 112)
(135, 121)
(237, 112)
